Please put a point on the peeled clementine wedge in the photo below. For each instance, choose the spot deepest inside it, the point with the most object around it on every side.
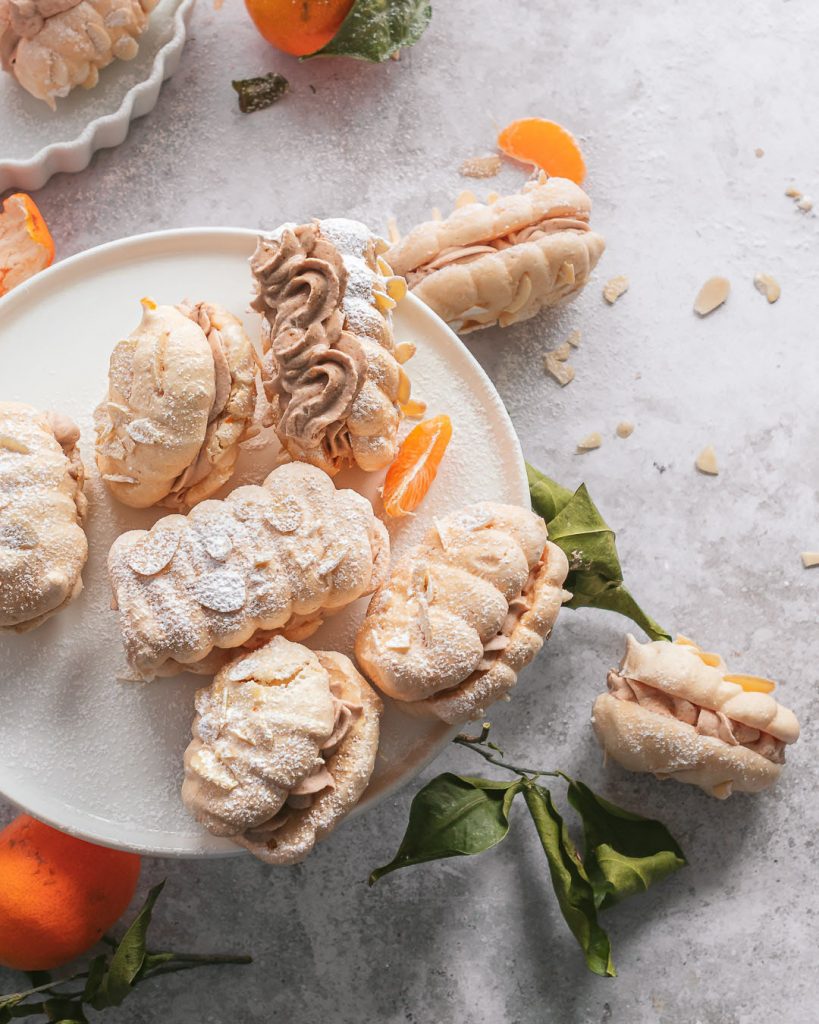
(411, 474)
(546, 144)
(26, 246)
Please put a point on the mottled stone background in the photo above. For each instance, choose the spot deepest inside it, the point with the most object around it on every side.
(670, 101)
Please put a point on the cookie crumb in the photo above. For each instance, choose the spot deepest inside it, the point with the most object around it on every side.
(480, 167)
(465, 198)
(759, 152)
(614, 288)
(810, 559)
(625, 428)
(590, 442)
(712, 295)
(706, 461)
(768, 286)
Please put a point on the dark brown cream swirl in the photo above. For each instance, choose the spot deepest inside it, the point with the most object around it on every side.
(313, 369)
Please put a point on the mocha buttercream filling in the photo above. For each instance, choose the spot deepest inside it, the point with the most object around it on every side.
(460, 254)
(305, 791)
(314, 369)
(705, 721)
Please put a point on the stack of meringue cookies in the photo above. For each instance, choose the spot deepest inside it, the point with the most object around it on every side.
(284, 738)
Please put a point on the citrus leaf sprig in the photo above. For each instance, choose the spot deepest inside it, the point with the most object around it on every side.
(374, 30)
(623, 853)
(595, 577)
(109, 977)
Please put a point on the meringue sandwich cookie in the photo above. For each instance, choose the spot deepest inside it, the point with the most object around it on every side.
(42, 544)
(329, 367)
(52, 46)
(284, 744)
(270, 559)
(464, 612)
(181, 396)
(674, 710)
(502, 262)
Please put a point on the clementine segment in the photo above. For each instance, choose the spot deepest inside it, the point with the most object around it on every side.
(298, 26)
(58, 894)
(415, 466)
(548, 145)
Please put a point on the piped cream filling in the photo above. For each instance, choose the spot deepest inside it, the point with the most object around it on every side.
(461, 254)
(705, 721)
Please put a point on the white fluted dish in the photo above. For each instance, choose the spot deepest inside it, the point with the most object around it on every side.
(36, 142)
(102, 758)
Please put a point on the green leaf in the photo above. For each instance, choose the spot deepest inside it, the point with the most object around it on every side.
(96, 972)
(624, 853)
(571, 884)
(128, 958)
(64, 1011)
(259, 93)
(595, 577)
(453, 816)
(375, 29)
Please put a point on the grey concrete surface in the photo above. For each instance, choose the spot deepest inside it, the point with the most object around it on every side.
(670, 100)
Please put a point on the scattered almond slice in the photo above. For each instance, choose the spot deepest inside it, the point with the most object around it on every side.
(413, 409)
(793, 193)
(614, 288)
(711, 660)
(706, 461)
(805, 204)
(393, 233)
(590, 442)
(480, 167)
(566, 274)
(712, 295)
(809, 559)
(575, 338)
(465, 199)
(625, 428)
(685, 641)
(768, 286)
(492, 197)
(404, 350)
(557, 367)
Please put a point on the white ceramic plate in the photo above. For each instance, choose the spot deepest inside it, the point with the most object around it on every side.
(99, 757)
(36, 142)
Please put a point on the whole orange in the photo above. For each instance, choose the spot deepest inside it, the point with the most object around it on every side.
(298, 26)
(58, 894)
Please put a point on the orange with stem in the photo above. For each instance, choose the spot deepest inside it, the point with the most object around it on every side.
(298, 26)
(415, 466)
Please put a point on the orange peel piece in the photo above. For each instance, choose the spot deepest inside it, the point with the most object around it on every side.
(415, 466)
(752, 684)
(546, 144)
(26, 245)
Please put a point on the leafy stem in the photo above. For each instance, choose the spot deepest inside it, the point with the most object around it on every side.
(479, 744)
(623, 853)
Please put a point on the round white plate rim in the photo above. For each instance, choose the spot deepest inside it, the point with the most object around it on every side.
(108, 131)
(138, 840)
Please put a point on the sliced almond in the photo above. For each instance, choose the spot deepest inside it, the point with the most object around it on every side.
(11, 444)
(614, 288)
(480, 167)
(625, 428)
(566, 274)
(413, 409)
(557, 367)
(809, 559)
(393, 233)
(153, 552)
(590, 442)
(706, 461)
(805, 204)
(224, 591)
(793, 193)
(404, 350)
(465, 198)
(712, 295)
(768, 286)
(574, 339)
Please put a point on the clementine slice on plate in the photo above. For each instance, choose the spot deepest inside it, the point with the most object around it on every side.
(415, 466)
